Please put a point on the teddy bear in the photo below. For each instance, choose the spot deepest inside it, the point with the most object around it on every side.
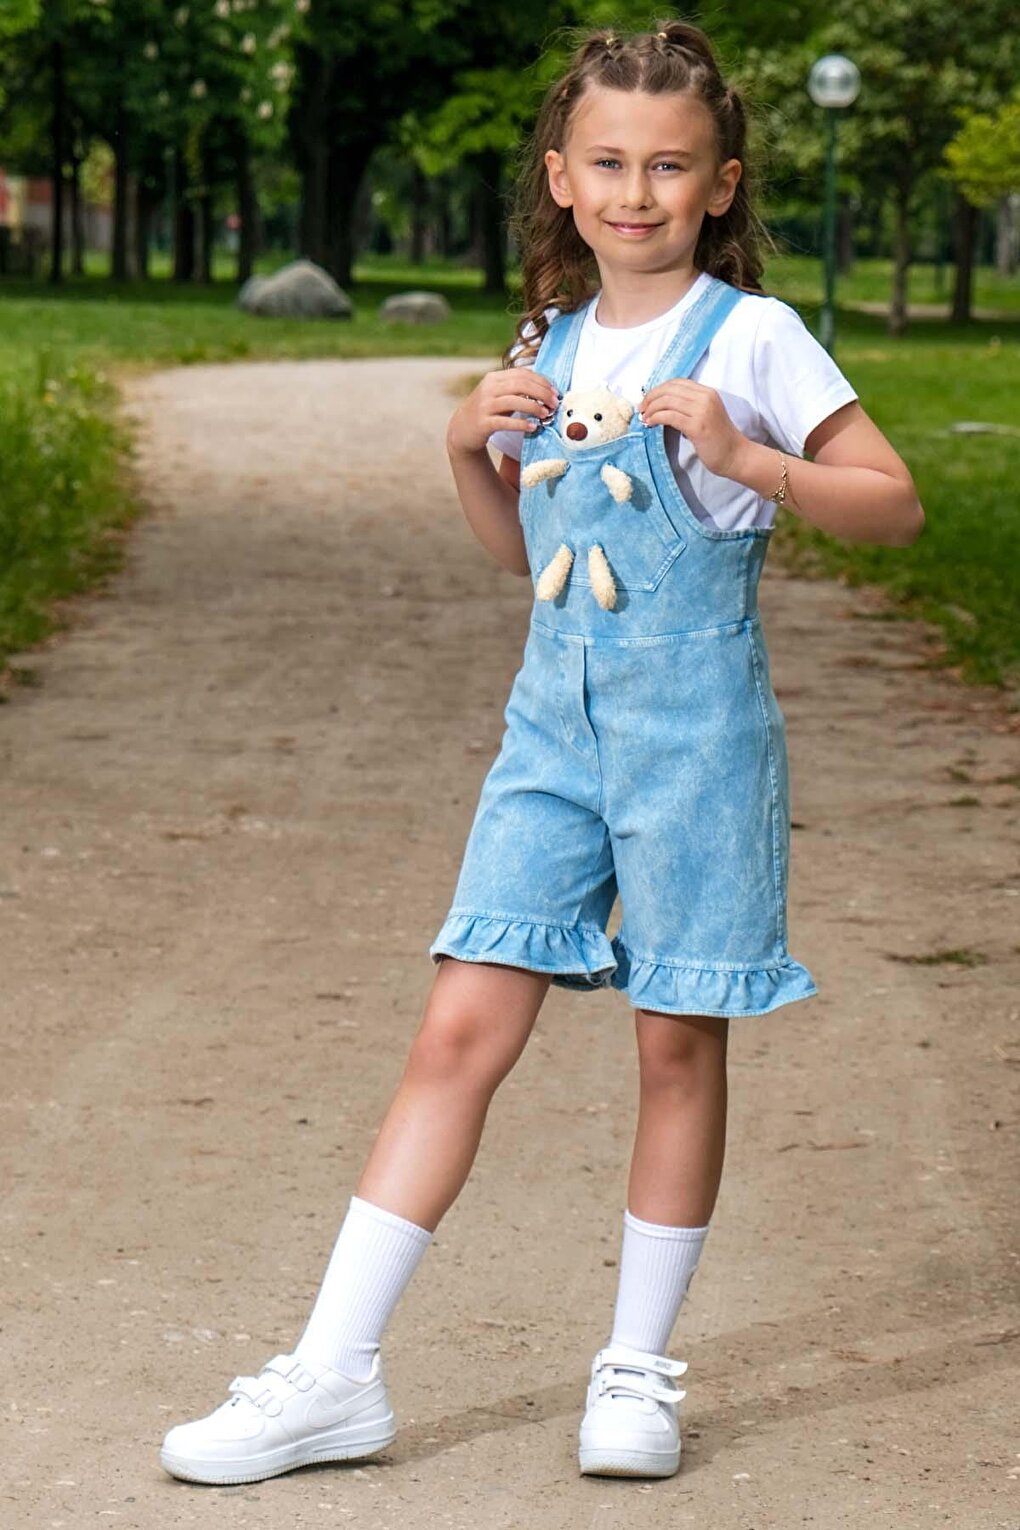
(591, 416)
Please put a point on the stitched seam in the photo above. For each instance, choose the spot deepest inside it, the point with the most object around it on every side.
(777, 874)
(782, 965)
(545, 924)
(649, 640)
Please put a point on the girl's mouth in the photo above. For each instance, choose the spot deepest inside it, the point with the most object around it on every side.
(634, 230)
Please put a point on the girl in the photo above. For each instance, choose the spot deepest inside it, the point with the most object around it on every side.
(645, 751)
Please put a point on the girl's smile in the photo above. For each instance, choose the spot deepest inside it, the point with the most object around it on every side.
(638, 169)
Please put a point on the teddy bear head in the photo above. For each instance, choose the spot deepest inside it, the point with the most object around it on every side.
(590, 416)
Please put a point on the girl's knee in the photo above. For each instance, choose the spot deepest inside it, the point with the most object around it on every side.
(679, 1048)
(475, 1024)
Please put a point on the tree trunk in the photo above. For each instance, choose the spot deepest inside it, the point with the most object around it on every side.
(489, 167)
(119, 254)
(1006, 234)
(247, 210)
(310, 140)
(58, 130)
(206, 230)
(77, 221)
(444, 220)
(347, 165)
(184, 222)
(145, 206)
(419, 214)
(964, 229)
(901, 261)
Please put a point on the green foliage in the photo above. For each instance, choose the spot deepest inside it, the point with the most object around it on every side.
(63, 493)
(984, 157)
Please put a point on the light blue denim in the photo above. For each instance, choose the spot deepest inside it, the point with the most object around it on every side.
(644, 751)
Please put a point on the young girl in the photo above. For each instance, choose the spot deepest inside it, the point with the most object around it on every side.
(644, 752)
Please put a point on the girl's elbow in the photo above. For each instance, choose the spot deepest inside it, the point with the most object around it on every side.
(913, 521)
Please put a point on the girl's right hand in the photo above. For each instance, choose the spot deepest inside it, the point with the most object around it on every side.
(491, 405)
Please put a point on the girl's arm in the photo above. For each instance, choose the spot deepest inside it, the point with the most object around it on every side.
(857, 487)
(490, 497)
(490, 501)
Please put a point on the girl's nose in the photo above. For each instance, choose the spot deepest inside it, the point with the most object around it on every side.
(637, 190)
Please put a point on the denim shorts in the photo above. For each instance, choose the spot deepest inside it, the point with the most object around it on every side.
(644, 752)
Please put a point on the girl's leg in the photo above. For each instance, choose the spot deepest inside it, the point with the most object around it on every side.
(675, 1172)
(477, 1020)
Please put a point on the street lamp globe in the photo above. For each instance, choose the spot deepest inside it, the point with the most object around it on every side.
(835, 80)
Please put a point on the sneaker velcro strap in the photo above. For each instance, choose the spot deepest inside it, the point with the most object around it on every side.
(291, 1370)
(643, 1385)
(622, 1354)
(262, 1396)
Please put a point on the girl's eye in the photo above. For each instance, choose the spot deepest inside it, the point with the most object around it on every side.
(669, 163)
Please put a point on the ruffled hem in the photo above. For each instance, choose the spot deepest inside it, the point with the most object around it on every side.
(578, 956)
(683, 990)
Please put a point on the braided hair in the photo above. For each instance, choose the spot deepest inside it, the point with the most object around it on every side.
(557, 267)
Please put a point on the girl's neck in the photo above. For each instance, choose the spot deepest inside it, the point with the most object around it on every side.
(633, 297)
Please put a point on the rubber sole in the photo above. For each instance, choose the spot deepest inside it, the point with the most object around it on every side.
(273, 1463)
(627, 1463)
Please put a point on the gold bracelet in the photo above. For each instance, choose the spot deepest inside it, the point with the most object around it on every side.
(779, 497)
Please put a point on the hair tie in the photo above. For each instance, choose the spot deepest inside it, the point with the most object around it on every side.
(663, 35)
(609, 41)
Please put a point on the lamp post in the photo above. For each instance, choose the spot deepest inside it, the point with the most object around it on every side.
(834, 82)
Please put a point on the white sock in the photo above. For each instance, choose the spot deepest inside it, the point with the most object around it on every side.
(656, 1266)
(375, 1255)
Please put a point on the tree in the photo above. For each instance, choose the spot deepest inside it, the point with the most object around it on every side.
(918, 66)
(983, 163)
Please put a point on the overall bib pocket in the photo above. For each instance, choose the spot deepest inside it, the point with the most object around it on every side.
(577, 507)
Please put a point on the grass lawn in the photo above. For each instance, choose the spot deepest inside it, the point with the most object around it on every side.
(961, 573)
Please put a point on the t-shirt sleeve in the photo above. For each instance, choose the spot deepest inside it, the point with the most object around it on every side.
(797, 382)
(509, 441)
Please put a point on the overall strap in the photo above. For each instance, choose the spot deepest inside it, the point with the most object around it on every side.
(555, 358)
(695, 331)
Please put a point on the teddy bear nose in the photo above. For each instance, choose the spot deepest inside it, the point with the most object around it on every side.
(576, 431)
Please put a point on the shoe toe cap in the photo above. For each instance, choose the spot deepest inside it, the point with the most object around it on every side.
(204, 1437)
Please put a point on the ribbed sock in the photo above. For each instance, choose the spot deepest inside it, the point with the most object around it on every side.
(374, 1257)
(656, 1266)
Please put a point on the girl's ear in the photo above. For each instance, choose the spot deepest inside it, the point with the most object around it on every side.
(725, 188)
(559, 184)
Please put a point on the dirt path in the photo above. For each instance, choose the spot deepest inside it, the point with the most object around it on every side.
(233, 813)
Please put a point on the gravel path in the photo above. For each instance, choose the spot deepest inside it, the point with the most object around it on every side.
(233, 813)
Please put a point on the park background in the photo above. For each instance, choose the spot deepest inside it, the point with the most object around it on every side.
(236, 792)
(153, 157)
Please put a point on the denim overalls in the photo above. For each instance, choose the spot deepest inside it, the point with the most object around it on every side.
(645, 751)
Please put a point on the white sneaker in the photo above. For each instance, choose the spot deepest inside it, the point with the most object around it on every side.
(631, 1428)
(289, 1415)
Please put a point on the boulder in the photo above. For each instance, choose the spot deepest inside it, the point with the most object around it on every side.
(415, 308)
(300, 290)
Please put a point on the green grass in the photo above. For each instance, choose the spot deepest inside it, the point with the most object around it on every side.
(65, 495)
(960, 573)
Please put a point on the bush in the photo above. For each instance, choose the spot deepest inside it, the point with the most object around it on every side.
(63, 493)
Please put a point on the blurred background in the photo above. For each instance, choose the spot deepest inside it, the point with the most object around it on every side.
(155, 157)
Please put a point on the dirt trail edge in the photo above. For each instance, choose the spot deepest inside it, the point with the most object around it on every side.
(233, 814)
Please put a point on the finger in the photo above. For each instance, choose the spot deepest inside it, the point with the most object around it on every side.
(523, 402)
(672, 417)
(502, 422)
(540, 385)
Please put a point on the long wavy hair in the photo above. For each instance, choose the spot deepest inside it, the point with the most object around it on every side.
(557, 267)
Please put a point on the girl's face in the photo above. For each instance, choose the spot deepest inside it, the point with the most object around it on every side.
(640, 173)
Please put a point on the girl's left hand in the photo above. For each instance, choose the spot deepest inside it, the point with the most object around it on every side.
(700, 414)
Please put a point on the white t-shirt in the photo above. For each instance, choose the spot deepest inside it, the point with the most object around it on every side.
(776, 381)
